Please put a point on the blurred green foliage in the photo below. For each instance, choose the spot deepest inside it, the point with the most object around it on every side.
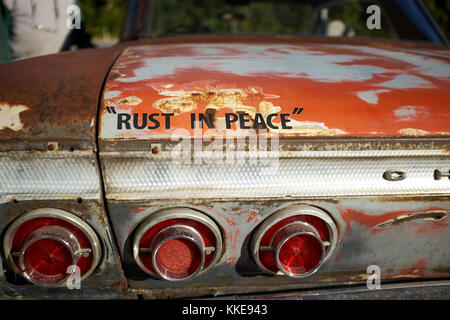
(440, 10)
(202, 16)
(105, 18)
(225, 16)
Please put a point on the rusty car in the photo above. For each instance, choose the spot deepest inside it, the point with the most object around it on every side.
(210, 154)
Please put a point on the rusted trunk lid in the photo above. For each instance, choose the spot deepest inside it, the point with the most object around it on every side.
(324, 89)
(52, 101)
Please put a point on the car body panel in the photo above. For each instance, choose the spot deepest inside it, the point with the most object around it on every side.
(414, 226)
(52, 98)
(48, 158)
(201, 73)
(417, 246)
(344, 90)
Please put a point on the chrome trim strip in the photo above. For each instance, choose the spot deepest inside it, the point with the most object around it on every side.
(142, 178)
(165, 155)
(48, 175)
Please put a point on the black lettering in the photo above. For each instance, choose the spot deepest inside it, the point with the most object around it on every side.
(284, 120)
(269, 120)
(167, 116)
(243, 119)
(136, 121)
(259, 122)
(193, 121)
(208, 121)
(207, 118)
(228, 119)
(155, 122)
(123, 118)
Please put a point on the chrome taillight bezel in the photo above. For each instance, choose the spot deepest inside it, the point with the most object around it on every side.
(280, 215)
(175, 213)
(88, 231)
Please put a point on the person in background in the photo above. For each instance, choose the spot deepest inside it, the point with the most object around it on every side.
(37, 27)
(5, 33)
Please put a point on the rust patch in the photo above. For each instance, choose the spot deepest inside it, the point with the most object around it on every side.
(175, 105)
(416, 270)
(310, 128)
(122, 285)
(181, 101)
(57, 95)
(413, 132)
(130, 101)
(235, 99)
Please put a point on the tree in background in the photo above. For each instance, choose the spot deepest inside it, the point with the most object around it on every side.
(104, 18)
(440, 10)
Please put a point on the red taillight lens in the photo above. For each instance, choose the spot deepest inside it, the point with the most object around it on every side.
(300, 254)
(178, 258)
(294, 241)
(43, 248)
(178, 253)
(177, 248)
(47, 253)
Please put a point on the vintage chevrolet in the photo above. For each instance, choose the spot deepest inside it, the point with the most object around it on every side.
(196, 160)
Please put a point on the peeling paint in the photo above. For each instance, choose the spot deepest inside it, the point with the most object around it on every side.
(429, 216)
(415, 270)
(407, 113)
(388, 220)
(336, 86)
(422, 64)
(111, 94)
(370, 96)
(413, 132)
(403, 81)
(61, 97)
(10, 116)
(310, 128)
(130, 101)
(258, 59)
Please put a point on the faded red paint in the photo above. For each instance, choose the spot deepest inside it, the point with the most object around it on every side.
(415, 270)
(230, 222)
(252, 215)
(370, 221)
(335, 104)
(232, 233)
(434, 229)
(231, 260)
(138, 210)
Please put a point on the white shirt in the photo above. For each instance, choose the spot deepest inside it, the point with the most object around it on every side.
(39, 26)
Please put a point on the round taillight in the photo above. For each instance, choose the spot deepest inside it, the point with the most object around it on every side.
(43, 245)
(177, 244)
(295, 241)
